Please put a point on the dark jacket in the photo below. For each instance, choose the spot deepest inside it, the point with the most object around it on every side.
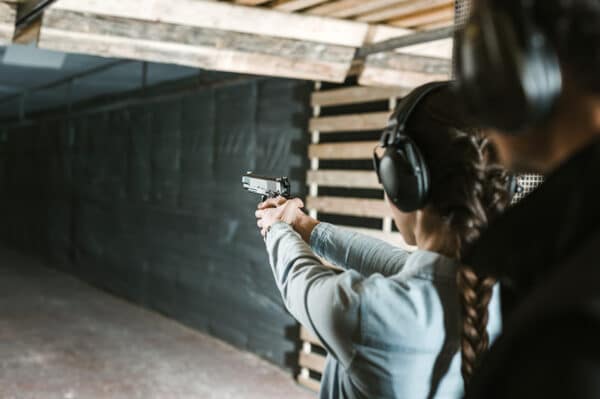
(546, 252)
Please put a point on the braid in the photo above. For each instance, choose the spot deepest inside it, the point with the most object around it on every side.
(468, 190)
(490, 198)
(479, 194)
(475, 296)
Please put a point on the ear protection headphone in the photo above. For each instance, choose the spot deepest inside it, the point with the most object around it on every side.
(402, 169)
(507, 71)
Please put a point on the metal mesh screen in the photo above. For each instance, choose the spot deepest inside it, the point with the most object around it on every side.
(528, 183)
(463, 8)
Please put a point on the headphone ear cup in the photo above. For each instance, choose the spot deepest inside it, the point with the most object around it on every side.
(507, 71)
(404, 176)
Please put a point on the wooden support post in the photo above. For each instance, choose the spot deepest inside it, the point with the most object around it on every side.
(8, 20)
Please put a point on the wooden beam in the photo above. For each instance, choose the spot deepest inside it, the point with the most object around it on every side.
(358, 207)
(8, 19)
(213, 49)
(355, 95)
(350, 123)
(343, 178)
(401, 10)
(312, 361)
(30, 33)
(434, 15)
(353, 8)
(395, 69)
(251, 2)
(295, 5)
(348, 150)
(227, 17)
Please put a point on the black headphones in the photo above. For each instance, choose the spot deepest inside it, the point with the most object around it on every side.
(508, 73)
(402, 170)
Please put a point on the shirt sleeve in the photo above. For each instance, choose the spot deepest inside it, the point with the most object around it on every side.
(350, 250)
(324, 301)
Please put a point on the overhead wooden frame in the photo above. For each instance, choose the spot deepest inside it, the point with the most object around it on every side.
(205, 34)
(217, 36)
(414, 14)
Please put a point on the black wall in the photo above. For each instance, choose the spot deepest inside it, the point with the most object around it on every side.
(146, 202)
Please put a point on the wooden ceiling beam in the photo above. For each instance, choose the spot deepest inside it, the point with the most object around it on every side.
(251, 2)
(295, 5)
(399, 11)
(228, 17)
(430, 16)
(352, 8)
(212, 49)
(402, 70)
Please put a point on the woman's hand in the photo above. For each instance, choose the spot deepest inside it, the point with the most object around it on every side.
(280, 209)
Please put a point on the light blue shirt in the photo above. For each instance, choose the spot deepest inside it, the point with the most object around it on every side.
(390, 322)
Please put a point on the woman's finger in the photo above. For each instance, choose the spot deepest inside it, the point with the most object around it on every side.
(259, 223)
(259, 213)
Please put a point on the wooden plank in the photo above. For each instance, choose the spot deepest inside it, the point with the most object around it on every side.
(348, 150)
(310, 383)
(401, 10)
(192, 46)
(312, 361)
(227, 17)
(350, 123)
(402, 70)
(359, 207)
(8, 17)
(306, 336)
(354, 8)
(344, 178)
(438, 14)
(355, 95)
(251, 2)
(295, 5)
(29, 34)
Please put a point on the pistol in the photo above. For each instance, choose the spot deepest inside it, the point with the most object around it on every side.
(266, 187)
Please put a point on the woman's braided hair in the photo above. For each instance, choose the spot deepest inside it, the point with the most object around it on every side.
(468, 190)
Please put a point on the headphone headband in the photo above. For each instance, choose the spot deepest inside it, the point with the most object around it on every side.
(395, 130)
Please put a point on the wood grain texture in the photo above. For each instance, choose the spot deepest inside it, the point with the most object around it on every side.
(295, 5)
(192, 46)
(358, 207)
(350, 123)
(355, 95)
(227, 17)
(343, 178)
(312, 361)
(346, 150)
(8, 15)
(403, 70)
(403, 9)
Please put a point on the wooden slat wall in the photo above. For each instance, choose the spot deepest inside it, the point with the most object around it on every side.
(340, 112)
(413, 14)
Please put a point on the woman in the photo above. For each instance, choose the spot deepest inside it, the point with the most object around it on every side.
(391, 321)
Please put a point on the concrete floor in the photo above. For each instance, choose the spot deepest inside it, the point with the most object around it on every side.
(60, 338)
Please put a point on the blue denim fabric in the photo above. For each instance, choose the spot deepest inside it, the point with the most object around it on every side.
(390, 320)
